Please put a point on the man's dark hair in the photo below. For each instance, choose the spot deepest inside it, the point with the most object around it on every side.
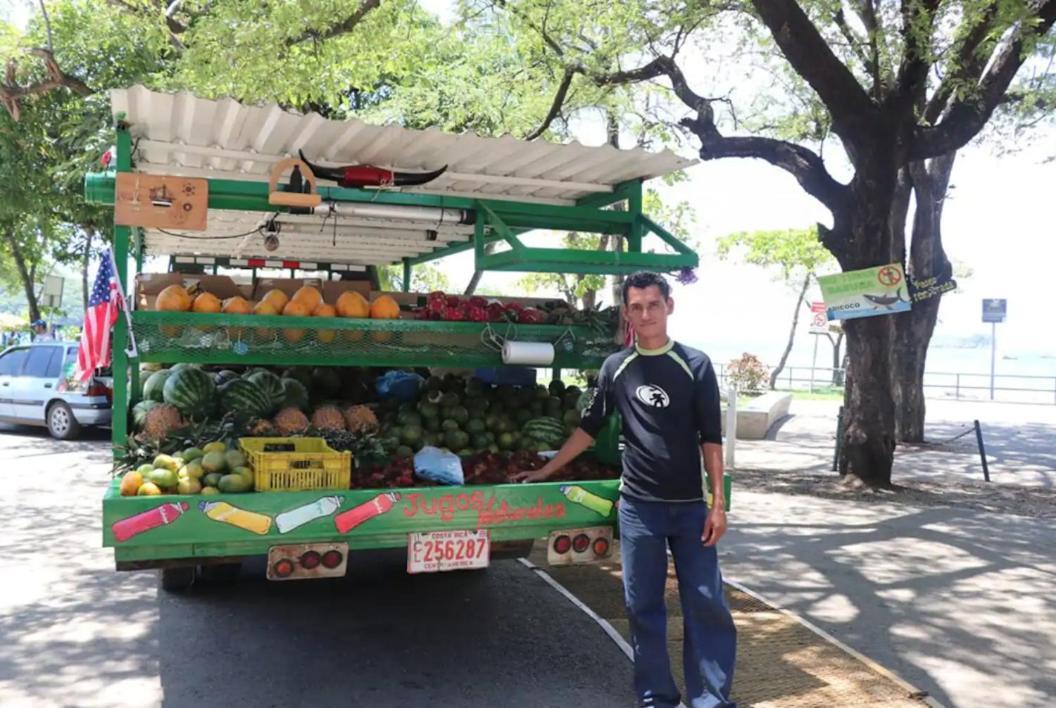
(643, 279)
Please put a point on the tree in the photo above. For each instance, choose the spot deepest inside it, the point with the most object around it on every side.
(796, 253)
(898, 86)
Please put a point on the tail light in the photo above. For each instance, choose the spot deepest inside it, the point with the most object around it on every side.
(332, 559)
(585, 545)
(283, 568)
(99, 389)
(310, 560)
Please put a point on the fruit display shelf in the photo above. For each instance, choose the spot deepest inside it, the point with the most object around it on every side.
(172, 337)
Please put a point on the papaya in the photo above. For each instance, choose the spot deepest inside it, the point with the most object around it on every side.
(276, 299)
(384, 308)
(206, 303)
(309, 297)
(295, 308)
(174, 298)
(325, 336)
(352, 304)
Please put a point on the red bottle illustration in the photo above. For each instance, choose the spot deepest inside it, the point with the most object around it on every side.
(147, 520)
(348, 520)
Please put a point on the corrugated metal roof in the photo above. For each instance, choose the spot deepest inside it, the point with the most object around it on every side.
(179, 133)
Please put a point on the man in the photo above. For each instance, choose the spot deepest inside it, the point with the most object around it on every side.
(40, 331)
(668, 398)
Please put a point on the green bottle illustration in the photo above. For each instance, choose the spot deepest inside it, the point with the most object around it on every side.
(578, 495)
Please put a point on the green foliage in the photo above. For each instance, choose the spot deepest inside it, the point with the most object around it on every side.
(425, 278)
(795, 252)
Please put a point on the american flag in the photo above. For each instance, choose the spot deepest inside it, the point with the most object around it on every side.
(99, 319)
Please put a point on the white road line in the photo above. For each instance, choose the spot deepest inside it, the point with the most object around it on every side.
(602, 622)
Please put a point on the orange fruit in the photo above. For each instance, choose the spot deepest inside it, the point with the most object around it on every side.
(384, 308)
(352, 304)
(131, 483)
(276, 298)
(295, 308)
(309, 297)
(325, 336)
(206, 303)
(264, 307)
(173, 299)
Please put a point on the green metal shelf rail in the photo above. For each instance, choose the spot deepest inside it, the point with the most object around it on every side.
(173, 337)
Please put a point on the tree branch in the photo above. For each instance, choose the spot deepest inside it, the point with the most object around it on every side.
(12, 95)
(47, 24)
(812, 58)
(918, 21)
(967, 62)
(867, 14)
(555, 106)
(966, 117)
(343, 27)
(853, 40)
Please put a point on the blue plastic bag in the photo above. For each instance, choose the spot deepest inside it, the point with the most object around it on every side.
(438, 465)
(401, 385)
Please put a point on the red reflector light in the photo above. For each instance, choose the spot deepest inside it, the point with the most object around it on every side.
(310, 560)
(562, 544)
(581, 543)
(283, 568)
(332, 559)
(601, 546)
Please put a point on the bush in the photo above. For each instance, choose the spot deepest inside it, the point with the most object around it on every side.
(747, 373)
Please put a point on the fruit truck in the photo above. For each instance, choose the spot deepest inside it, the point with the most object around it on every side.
(286, 418)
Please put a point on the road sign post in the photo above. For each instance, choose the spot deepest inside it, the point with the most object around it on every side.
(994, 311)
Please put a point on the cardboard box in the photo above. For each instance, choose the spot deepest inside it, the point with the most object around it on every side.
(286, 285)
(332, 289)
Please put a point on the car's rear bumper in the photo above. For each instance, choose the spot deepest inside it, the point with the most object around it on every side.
(91, 412)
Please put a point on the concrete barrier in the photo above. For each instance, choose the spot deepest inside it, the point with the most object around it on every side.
(756, 415)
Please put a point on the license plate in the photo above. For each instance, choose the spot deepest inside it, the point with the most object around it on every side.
(305, 561)
(437, 551)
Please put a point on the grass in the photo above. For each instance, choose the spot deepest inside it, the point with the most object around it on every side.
(820, 393)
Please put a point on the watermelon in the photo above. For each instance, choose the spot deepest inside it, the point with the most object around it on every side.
(271, 385)
(139, 413)
(244, 399)
(301, 373)
(154, 386)
(222, 377)
(295, 394)
(192, 391)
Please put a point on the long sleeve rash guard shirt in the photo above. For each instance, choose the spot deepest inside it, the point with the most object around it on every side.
(669, 402)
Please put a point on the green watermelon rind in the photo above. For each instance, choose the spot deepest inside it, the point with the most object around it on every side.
(295, 394)
(271, 385)
(153, 387)
(192, 391)
(244, 399)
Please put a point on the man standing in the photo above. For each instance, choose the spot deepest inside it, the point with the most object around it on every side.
(668, 398)
(40, 332)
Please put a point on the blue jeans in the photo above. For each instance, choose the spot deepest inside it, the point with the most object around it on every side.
(647, 529)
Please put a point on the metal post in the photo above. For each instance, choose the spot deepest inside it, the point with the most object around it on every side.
(813, 363)
(839, 440)
(982, 450)
(406, 275)
(993, 355)
(957, 385)
(731, 425)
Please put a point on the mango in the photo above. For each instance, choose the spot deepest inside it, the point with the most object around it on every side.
(191, 453)
(217, 446)
(234, 459)
(214, 462)
(148, 489)
(163, 477)
(144, 468)
(234, 483)
(212, 479)
(131, 483)
(244, 471)
(192, 469)
(166, 462)
(209, 491)
(189, 486)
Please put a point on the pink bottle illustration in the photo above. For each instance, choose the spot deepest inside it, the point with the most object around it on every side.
(147, 520)
(348, 520)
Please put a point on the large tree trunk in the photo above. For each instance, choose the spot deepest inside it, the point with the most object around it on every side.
(861, 238)
(26, 273)
(914, 329)
(791, 335)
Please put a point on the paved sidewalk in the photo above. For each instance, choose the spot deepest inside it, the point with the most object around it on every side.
(955, 600)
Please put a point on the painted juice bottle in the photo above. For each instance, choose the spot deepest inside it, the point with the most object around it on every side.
(249, 520)
(577, 495)
(348, 520)
(147, 520)
(295, 518)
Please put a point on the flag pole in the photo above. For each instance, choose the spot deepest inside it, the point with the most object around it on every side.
(131, 350)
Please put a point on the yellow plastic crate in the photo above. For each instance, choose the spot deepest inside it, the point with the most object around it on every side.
(311, 465)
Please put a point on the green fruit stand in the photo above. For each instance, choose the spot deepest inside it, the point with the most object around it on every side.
(212, 184)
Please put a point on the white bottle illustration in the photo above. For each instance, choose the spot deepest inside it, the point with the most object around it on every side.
(295, 518)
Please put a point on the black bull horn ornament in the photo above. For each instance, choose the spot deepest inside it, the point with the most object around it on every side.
(371, 176)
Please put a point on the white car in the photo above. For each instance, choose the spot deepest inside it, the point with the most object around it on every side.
(37, 388)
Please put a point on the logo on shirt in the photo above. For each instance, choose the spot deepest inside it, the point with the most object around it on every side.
(653, 396)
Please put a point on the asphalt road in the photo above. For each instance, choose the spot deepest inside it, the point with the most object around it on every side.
(75, 632)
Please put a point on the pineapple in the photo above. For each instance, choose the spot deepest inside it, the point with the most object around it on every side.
(290, 421)
(328, 418)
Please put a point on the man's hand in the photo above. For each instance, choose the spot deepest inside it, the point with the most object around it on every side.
(531, 475)
(715, 526)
